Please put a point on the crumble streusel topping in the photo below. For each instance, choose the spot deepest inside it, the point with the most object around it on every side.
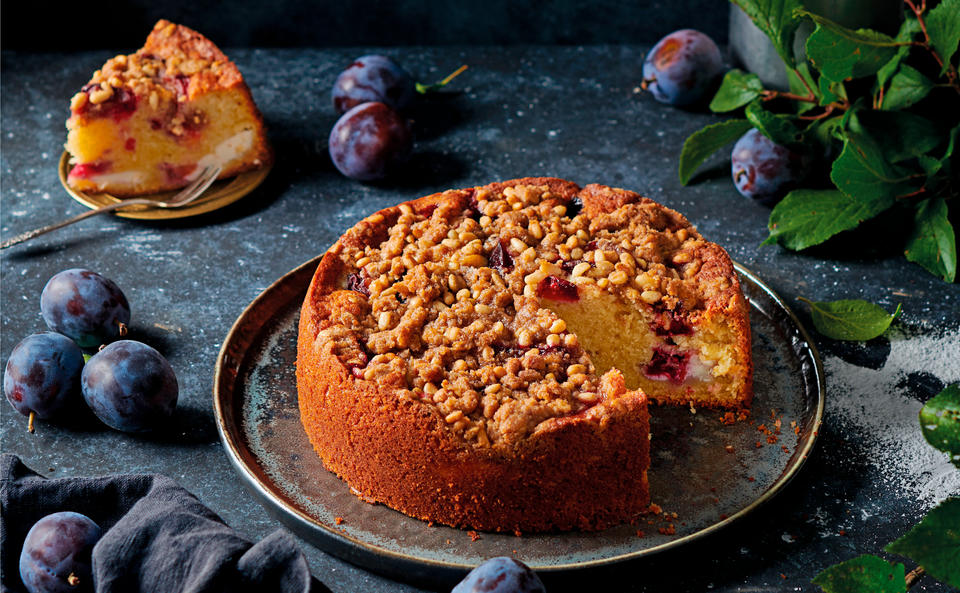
(160, 72)
(451, 300)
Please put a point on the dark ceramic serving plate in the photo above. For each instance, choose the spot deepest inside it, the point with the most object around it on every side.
(692, 471)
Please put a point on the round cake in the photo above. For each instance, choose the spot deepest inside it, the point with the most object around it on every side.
(483, 357)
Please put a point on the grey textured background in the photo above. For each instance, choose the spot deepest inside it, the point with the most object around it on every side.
(526, 110)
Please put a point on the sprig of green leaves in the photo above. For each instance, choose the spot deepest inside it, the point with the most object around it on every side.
(886, 111)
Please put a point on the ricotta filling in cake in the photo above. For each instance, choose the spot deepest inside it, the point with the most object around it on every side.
(670, 361)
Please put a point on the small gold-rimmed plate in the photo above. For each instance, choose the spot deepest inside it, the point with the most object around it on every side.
(218, 195)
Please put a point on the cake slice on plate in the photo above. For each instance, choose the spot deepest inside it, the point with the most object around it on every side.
(153, 120)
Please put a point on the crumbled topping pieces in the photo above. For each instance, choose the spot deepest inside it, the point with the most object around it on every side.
(161, 71)
(454, 298)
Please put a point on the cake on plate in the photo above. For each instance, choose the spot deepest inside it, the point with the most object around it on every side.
(483, 357)
(153, 120)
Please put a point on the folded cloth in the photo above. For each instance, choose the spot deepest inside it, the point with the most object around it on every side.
(157, 537)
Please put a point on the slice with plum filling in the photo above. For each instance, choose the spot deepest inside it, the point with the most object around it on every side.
(153, 120)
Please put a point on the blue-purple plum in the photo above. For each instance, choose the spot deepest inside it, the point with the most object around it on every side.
(130, 386)
(57, 554)
(501, 575)
(42, 375)
(369, 141)
(373, 78)
(84, 306)
(682, 67)
(765, 171)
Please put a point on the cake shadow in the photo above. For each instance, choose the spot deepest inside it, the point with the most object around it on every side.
(435, 114)
(425, 169)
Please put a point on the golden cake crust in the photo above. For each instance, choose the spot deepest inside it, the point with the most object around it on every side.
(562, 447)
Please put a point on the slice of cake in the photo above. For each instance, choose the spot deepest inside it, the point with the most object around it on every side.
(153, 120)
(650, 297)
(479, 357)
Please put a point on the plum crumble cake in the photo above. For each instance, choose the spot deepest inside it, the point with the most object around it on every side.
(152, 120)
(483, 357)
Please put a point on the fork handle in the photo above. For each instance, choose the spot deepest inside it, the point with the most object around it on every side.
(44, 230)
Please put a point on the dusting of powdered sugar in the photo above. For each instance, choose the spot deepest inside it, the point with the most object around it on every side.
(877, 405)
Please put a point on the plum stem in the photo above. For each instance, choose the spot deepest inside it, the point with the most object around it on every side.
(770, 95)
(918, 11)
(810, 93)
(429, 88)
(914, 576)
(30, 422)
(912, 194)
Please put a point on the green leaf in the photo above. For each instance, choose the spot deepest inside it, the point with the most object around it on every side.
(863, 574)
(796, 84)
(930, 165)
(796, 79)
(908, 30)
(778, 21)
(862, 171)
(932, 243)
(807, 217)
(943, 27)
(738, 89)
(901, 135)
(854, 320)
(934, 543)
(778, 128)
(940, 422)
(705, 142)
(830, 91)
(840, 53)
(907, 87)
(826, 132)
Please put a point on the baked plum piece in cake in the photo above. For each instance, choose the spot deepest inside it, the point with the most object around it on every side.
(475, 357)
(153, 120)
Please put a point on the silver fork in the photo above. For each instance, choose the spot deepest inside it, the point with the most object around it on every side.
(184, 197)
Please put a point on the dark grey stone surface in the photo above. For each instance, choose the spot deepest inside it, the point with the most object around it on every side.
(58, 25)
(569, 112)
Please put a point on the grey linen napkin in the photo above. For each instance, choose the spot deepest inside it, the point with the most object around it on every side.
(157, 537)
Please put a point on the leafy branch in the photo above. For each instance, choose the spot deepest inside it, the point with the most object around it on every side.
(926, 44)
(880, 112)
